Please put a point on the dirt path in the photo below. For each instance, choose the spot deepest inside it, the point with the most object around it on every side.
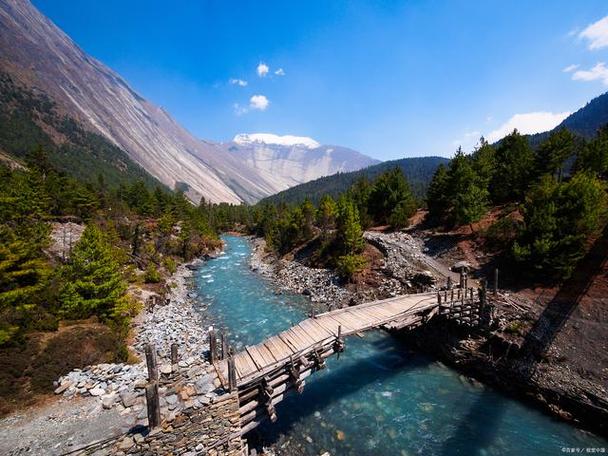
(59, 427)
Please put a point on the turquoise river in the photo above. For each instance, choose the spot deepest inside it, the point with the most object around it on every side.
(379, 398)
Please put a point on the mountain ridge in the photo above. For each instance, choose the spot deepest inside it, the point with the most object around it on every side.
(42, 57)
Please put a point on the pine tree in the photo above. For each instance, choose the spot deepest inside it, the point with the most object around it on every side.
(93, 282)
(593, 156)
(484, 162)
(514, 169)
(23, 276)
(326, 214)
(469, 199)
(350, 234)
(558, 220)
(389, 190)
(438, 196)
(553, 153)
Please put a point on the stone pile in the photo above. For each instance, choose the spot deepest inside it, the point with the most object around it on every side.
(122, 385)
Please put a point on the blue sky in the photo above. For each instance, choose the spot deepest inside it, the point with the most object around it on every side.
(390, 79)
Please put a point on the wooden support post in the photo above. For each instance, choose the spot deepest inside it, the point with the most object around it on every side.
(495, 281)
(312, 311)
(231, 372)
(212, 345)
(224, 347)
(151, 362)
(449, 283)
(461, 284)
(439, 298)
(153, 405)
(174, 357)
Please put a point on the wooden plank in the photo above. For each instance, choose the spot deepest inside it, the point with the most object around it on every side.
(267, 354)
(286, 341)
(244, 364)
(341, 321)
(278, 347)
(353, 321)
(328, 324)
(255, 357)
(297, 340)
(320, 332)
(303, 333)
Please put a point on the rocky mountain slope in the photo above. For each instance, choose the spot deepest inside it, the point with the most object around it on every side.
(285, 161)
(38, 55)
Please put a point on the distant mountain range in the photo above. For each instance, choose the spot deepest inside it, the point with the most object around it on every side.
(54, 94)
(585, 123)
(40, 59)
(418, 171)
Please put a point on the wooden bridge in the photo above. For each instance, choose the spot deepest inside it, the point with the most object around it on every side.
(264, 373)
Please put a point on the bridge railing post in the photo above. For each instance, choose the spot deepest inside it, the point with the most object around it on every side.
(224, 345)
(150, 351)
(174, 354)
(212, 345)
(231, 371)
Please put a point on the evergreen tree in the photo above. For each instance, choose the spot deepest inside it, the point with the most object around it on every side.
(93, 282)
(350, 234)
(593, 156)
(484, 162)
(514, 169)
(553, 153)
(23, 276)
(558, 220)
(389, 190)
(469, 199)
(438, 196)
(350, 239)
(326, 214)
(360, 192)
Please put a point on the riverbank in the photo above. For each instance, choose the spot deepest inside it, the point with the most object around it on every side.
(561, 385)
(107, 400)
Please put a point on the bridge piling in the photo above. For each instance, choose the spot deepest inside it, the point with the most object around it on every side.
(174, 354)
(212, 344)
(150, 351)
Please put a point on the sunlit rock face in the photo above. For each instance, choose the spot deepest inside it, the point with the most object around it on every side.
(285, 161)
(40, 56)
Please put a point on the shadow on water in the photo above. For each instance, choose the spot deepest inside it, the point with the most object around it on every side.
(478, 428)
(470, 437)
(341, 380)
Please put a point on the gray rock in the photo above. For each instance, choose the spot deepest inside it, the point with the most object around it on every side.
(97, 391)
(108, 400)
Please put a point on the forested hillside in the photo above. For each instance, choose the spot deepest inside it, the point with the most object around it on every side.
(29, 120)
(418, 172)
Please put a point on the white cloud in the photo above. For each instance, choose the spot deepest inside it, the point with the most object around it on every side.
(597, 73)
(596, 34)
(468, 140)
(528, 123)
(239, 82)
(262, 69)
(280, 72)
(259, 102)
(256, 102)
(570, 68)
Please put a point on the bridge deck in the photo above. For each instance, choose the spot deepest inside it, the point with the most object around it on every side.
(255, 361)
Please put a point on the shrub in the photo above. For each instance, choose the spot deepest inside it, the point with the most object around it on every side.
(152, 275)
(349, 265)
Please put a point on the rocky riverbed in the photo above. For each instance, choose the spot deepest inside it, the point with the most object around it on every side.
(115, 393)
(403, 268)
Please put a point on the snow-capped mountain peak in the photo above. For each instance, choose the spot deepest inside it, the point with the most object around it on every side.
(269, 138)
